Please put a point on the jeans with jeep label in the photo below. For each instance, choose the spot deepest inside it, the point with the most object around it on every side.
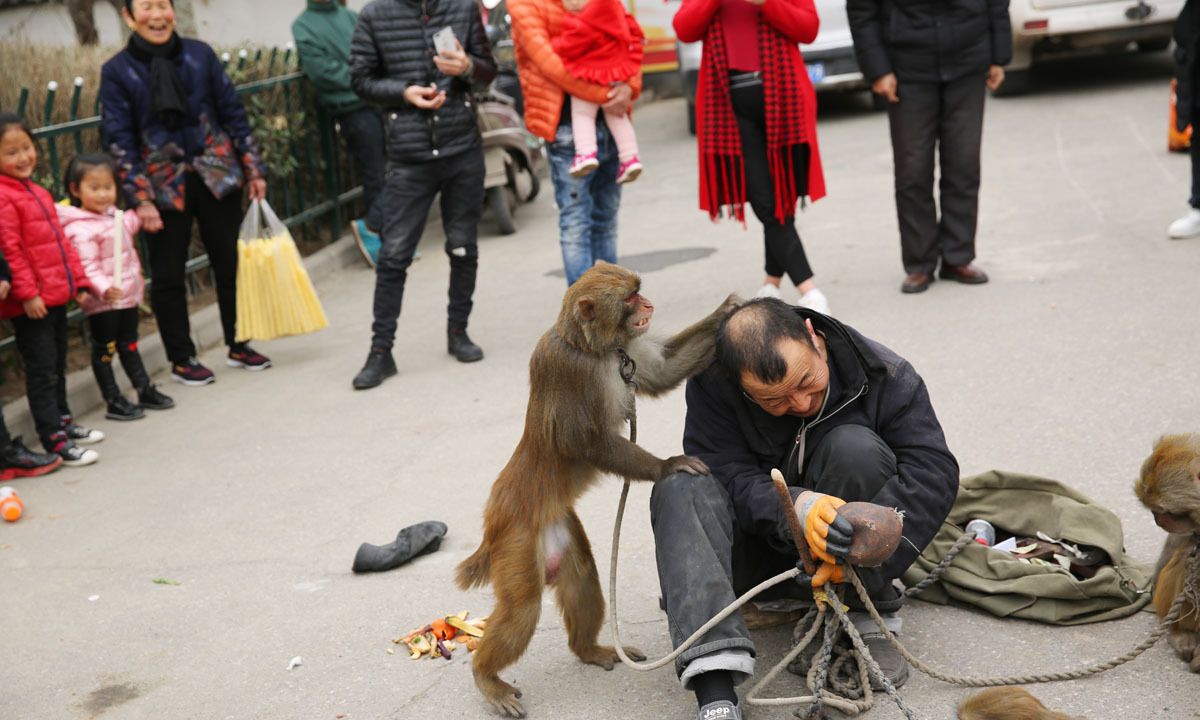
(587, 206)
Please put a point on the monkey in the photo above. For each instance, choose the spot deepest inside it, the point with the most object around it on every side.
(578, 405)
(1006, 703)
(1169, 485)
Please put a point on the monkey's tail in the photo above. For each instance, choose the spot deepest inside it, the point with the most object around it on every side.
(1006, 703)
(476, 570)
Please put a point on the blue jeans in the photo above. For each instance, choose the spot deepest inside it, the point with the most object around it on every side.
(587, 206)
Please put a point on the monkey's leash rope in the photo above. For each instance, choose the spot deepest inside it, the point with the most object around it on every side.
(867, 665)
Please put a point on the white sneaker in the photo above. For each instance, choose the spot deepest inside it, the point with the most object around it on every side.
(814, 300)
(1185, 227)
(768, 291)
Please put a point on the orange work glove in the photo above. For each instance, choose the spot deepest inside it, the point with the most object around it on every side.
(827, 533)
(828, 573)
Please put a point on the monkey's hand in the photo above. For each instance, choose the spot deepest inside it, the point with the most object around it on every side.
(683, 463)
(827, 533)
(733, 302)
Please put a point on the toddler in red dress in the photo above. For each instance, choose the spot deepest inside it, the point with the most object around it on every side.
(601, 42)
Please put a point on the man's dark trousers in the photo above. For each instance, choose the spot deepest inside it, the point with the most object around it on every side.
(407, 196)
(947, 117)
(363, 131)
(705, 562)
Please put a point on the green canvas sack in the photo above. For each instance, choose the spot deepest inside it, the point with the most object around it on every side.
(1006, 587)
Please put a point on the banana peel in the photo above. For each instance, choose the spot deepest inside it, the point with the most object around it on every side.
(443, 636)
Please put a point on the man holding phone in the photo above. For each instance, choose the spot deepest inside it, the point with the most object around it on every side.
(420, 63)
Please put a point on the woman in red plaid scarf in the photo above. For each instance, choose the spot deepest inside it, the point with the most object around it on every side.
(756, 124)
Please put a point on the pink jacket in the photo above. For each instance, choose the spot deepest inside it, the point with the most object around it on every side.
(93, 235)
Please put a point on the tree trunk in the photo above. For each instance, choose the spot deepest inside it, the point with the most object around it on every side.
(84, 21)
(185, 18)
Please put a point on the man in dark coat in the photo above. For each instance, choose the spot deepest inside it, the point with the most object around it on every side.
(1187, 38)
(843, 418)
(433, 146)
(931, 60)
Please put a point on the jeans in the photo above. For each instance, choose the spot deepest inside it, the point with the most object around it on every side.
(219, 220)
(587, 206)
(43, 348)
(948, 116)
(705, 561)
(363, 132)
(407, 195)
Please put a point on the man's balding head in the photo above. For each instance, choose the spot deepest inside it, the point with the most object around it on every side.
(749, 339)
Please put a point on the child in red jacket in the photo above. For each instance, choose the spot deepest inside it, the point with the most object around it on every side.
(601, 43)
(46, 275)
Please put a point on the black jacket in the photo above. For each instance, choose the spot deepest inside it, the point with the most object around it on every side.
(393, 49)
(1187, 44)
(929, 40)
(870, 386)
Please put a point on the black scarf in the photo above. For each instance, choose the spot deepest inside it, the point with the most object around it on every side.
(168, 96)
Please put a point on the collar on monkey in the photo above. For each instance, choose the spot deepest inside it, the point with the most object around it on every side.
(628, 367)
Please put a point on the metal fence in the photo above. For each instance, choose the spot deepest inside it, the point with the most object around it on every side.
(310, 183)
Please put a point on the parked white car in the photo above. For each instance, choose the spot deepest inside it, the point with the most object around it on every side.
(830, 58)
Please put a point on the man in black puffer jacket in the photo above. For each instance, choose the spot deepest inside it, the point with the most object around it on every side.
(931, 60)
(844, 419)
(433, 145)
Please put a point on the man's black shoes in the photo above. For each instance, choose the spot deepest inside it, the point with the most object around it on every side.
(461, 347)
(379, 367)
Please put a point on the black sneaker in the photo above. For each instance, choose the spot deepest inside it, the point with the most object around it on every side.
(18, 461)
(72, 455)
(379, 367)
(121, 409)
(461, 347)
(150, 398)
(79, 433)
(243, 356)
(191, 372)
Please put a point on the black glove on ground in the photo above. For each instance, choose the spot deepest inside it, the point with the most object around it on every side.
(413, 541)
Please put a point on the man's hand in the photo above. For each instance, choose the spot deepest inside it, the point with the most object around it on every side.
(113, 294)
(827, 533)
(828, 573)
(148, 216)
(35, 308)
(620, 97)
(258, 189)
(995, 77)
(885, 85)
(424, 97)
(453, 62)
(5, 286)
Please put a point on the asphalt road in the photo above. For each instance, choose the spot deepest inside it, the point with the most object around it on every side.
(255, 492)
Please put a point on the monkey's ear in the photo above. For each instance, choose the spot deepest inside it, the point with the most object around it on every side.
(586, 308)
(1158, 442)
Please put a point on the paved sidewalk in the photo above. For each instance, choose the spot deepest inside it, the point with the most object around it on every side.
(255, 492)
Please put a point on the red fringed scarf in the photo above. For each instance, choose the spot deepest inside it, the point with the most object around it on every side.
(721, 152)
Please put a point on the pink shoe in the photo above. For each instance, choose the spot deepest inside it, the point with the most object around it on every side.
(630, 169)
(584, 165)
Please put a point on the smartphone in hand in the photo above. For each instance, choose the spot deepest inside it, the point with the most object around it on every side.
(444, 40)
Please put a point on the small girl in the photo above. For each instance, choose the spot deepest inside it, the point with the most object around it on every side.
(46, 274)
(601, 43)
(112, 314)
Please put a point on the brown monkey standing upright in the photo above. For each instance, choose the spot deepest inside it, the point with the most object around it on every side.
(1170, 486)
(578, 406)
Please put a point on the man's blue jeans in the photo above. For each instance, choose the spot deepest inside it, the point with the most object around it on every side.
(587, 206)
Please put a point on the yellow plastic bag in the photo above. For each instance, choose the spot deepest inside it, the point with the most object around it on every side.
(275, 296)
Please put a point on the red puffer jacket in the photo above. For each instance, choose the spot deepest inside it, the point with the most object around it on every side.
(42, 259)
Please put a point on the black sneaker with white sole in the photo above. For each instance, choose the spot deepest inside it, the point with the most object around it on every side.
(151, 398)
(72, 455)
(79, 433)
(191, 372)
(119, 408)
(243, 356)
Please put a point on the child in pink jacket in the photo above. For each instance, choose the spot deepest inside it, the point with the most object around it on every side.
(90, 223)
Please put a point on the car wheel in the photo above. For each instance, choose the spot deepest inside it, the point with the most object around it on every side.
(1152, 46)
(501, 206)
(691, 114)
(1016, 82)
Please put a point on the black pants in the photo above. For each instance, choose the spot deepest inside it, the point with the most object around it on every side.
(407, 197)
(115, 334)
(705, 560)
(1194, 151)
(43, 347)
(5, 438)
(219, 221)
(362, 130)
(948, 118)
(784, 252)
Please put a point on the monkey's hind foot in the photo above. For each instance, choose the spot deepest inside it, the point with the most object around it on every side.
(1187, 647)
(501, 696)
(606, 656)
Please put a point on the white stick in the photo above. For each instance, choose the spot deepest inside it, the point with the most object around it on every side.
(118, 248)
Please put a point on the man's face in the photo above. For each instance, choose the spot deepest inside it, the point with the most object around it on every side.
(802, 389)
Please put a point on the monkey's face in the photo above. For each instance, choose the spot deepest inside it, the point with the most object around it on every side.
(1170, 484)
(638, 312)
